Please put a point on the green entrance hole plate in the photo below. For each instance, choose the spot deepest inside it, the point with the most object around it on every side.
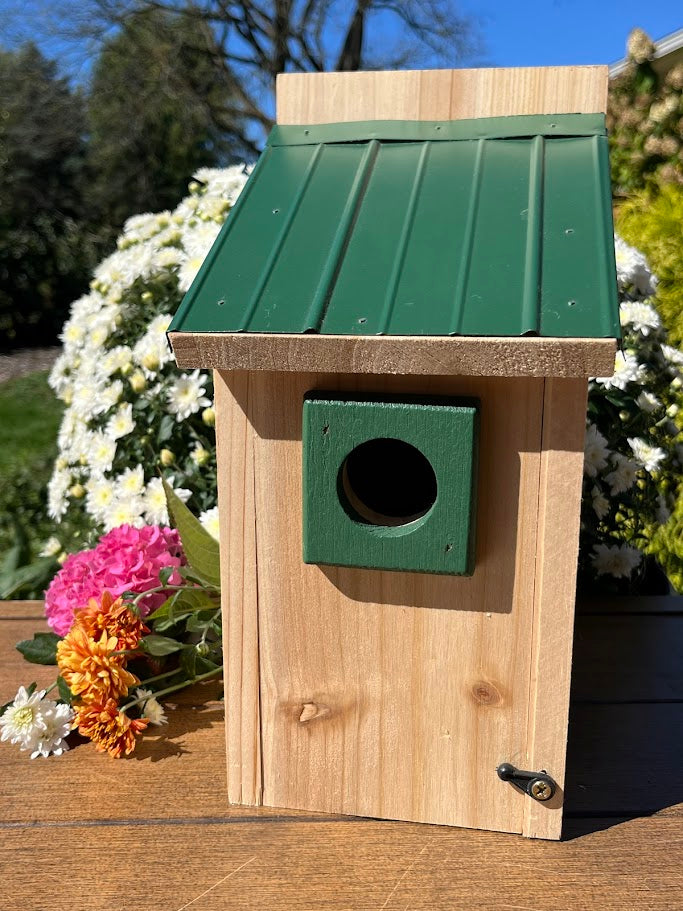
(390, 482)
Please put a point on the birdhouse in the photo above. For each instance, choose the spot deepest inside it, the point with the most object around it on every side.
(402, 312)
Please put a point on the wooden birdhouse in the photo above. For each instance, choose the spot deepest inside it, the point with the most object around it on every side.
(402, 312)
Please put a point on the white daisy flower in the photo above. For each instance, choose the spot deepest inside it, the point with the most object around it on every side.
(600, 502)
(627, 370)
(642, 316)
(618, 560)
(121, 423)
(126, 510)
(100, 497)
(672, 355)
(648, 402)
(23, 718)
(51, 739)
(632, 268)
(102, 452)
(624, 475)
(156, 510)
(51, 547)
(650, 457)
(596, 452)
(209, 519)
(186, 395)
(130, 482)
(151, 708)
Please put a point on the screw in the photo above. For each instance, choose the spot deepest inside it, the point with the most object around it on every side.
(540, 790)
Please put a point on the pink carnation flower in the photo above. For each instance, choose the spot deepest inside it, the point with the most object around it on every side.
(125, 559)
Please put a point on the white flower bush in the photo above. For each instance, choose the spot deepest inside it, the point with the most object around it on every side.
(632, 463)
(130, 414)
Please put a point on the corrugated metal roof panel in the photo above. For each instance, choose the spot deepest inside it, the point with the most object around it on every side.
(492, 227)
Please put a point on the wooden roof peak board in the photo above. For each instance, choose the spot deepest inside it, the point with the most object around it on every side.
(493, 227)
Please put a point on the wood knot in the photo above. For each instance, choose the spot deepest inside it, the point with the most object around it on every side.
(486, 693)
(312, 710)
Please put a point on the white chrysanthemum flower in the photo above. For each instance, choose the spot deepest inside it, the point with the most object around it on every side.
(23, 718)
(52, 547)
(151, 708)
(650, 457)
(57, 487)
(209, 519)
(102, 452)
(672, 355)
(156, 510)
(633, 270)
(188, 271)
(167, 257)
(648, 402)
(152, 351)
(618, 560)
(642, 316)
(224, 182)
(596, 452)
(627, 370)
(121, 423)
(186, 395)
(118, 358)
(624, 475)
(125, 510)
(198, 240)
(51, 739)
(180, 492)
(130, 482)
(100, 497)
(600, 502)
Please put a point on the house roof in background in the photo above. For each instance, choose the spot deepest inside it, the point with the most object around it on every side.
(667, 45)
(490, 227)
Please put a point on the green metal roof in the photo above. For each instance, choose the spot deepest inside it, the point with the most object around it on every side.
(490, 227)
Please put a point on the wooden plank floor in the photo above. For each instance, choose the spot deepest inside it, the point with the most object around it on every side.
(153, 833)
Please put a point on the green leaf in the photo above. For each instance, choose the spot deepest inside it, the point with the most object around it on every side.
(165, 428)
(160, 645)
(200, 547)
(33, 574)
(165, 574)
(188, 661)
(181, 604)
(65, 693)
(199, 621)
(42, 649)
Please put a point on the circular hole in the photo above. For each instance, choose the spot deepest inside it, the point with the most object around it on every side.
(437, 128)
(571, 303)
(569, 231)
(387, 482)
(221, 302)
(363, 319)
(276, 211)
(306, 132)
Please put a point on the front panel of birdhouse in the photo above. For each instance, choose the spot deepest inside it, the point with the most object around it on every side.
(391, 693)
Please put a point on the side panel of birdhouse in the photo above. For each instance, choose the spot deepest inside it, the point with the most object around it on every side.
(387, 694)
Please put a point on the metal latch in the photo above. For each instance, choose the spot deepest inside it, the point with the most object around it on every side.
(538, 785)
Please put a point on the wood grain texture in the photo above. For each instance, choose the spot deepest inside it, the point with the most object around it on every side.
(559, 511)
(440, 94)
(397, 694)
(249, 858)
(337, 866)
(239, 595)
(386, 354)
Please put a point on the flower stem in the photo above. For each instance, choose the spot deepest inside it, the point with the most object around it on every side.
(178, 670)
(175, 688)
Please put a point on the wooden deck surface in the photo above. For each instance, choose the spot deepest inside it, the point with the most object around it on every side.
(154, 833)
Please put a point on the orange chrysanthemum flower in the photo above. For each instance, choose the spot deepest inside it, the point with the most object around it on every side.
(113, 617)
(111, 730)
(90, 669)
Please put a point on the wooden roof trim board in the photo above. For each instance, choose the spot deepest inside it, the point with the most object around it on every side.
(408, 355)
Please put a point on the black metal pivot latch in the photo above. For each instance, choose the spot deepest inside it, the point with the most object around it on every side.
(538, 785)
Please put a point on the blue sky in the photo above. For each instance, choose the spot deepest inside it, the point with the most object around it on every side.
(565, 32)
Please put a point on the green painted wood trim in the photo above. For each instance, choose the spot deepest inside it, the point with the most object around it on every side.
(516, 127)
(444, 430)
